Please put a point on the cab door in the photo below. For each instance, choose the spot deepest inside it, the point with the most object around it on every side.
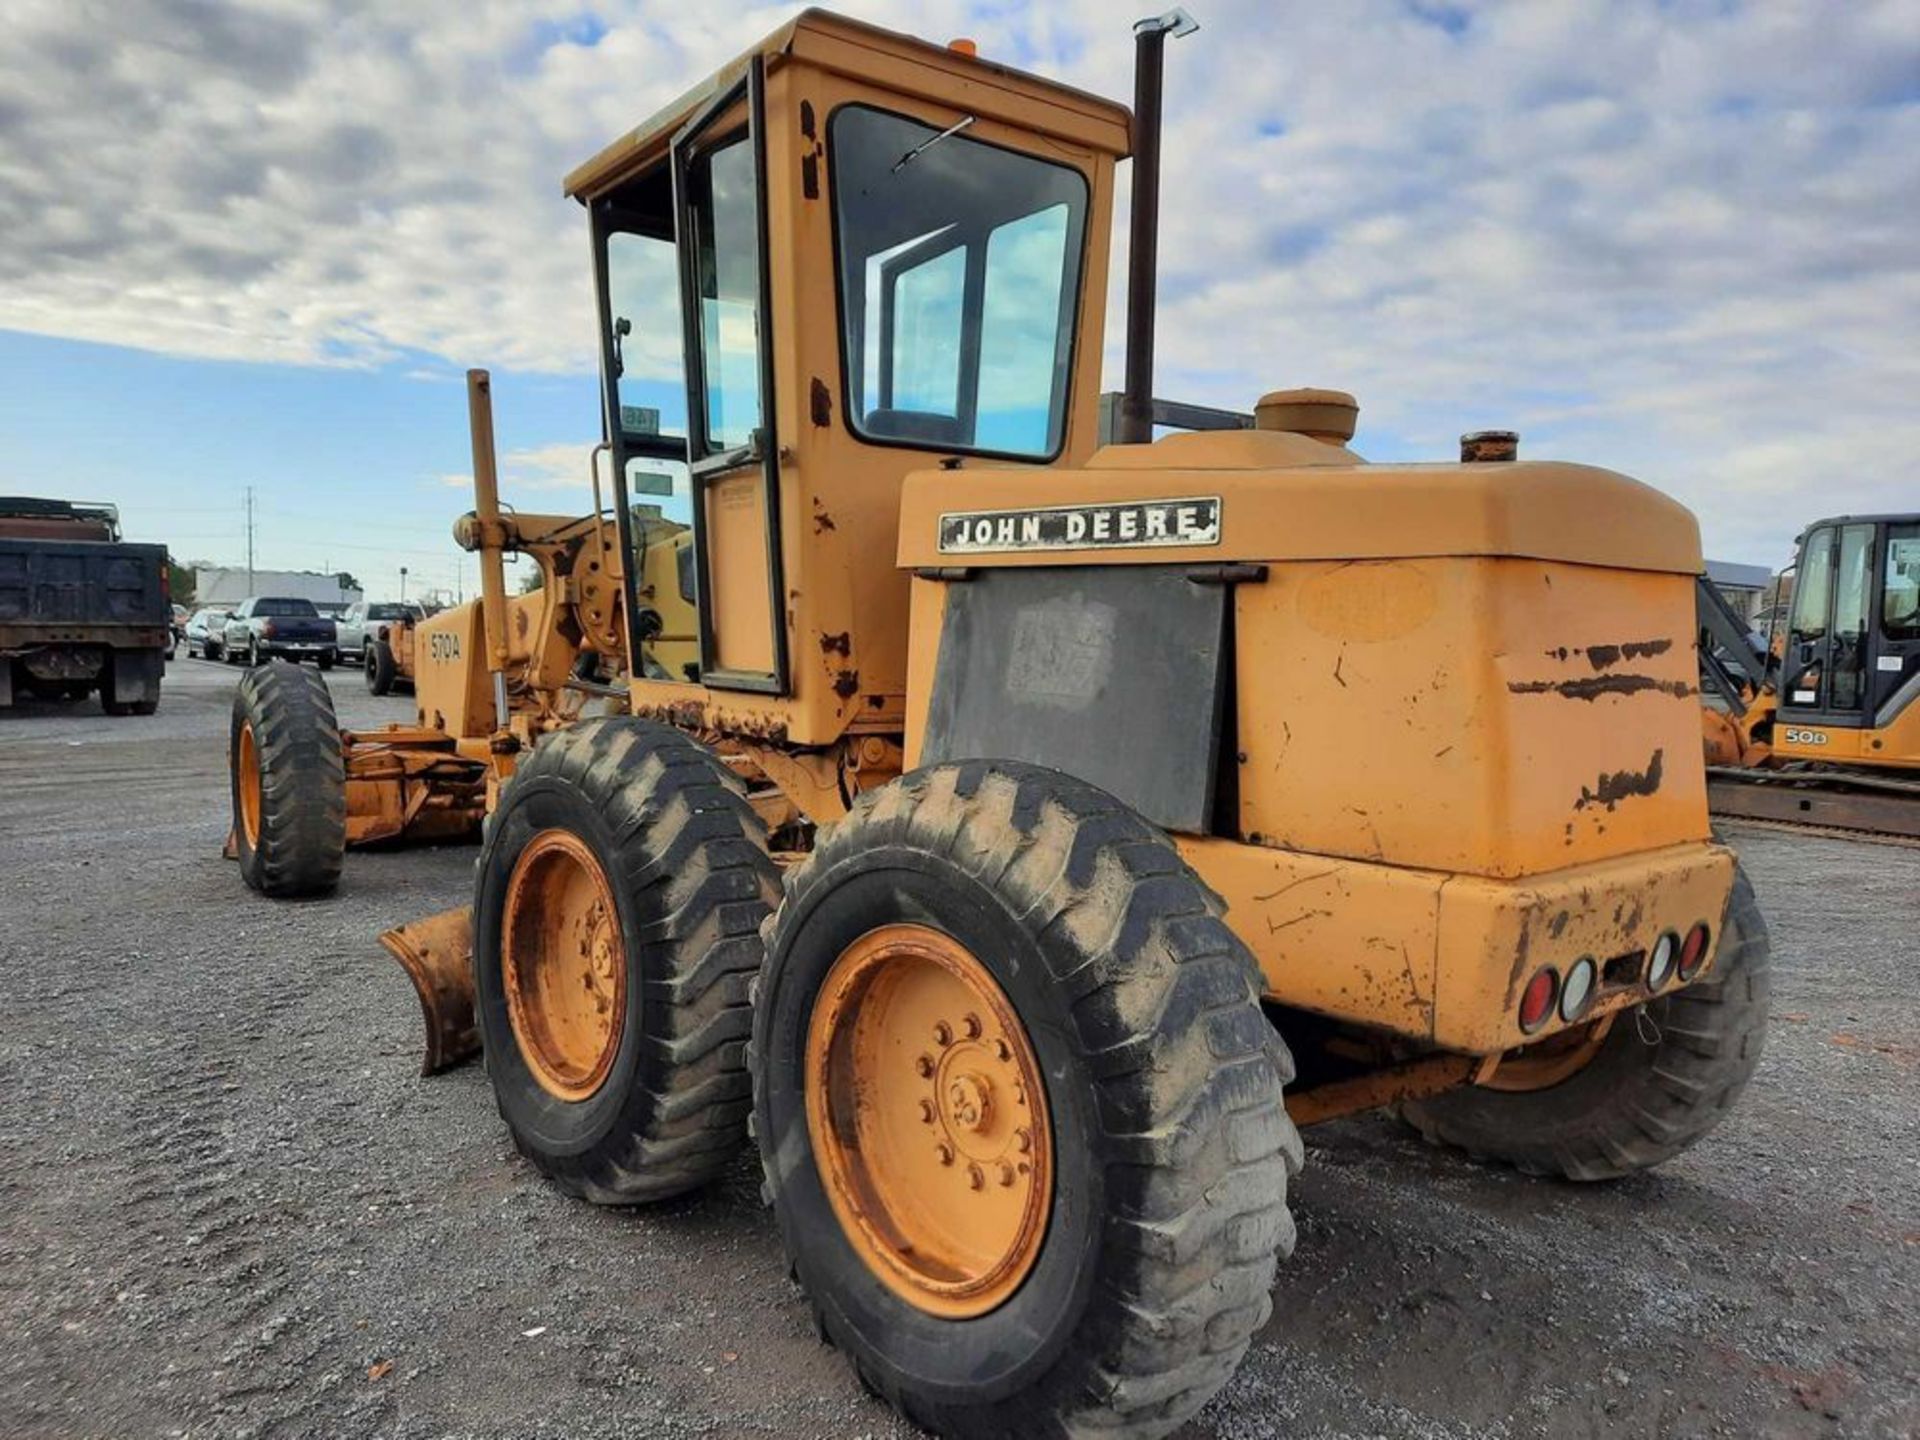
(733, 455)
(1895, 676)
(1827, 674)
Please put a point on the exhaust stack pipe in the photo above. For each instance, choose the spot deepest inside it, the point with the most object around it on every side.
(486, 511)
(1143, 254)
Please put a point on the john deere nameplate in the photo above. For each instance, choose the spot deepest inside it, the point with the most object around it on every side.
(1191, 521)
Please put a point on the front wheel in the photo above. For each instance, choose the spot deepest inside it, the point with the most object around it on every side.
(380, 669)
(1019, 1110)
(616, 932)
(288, 782)
(1659, 1080)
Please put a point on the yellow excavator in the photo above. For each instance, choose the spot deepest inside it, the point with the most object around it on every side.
(1818, 723)
(1046, 829)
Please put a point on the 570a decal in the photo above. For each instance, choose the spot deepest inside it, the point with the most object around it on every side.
(443, 645)
(1191, 521)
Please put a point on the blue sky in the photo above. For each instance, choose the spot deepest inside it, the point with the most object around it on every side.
(257, 244)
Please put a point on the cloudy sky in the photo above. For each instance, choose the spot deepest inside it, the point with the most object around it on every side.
(256, 244)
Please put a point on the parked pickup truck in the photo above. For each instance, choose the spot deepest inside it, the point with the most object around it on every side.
(270, 626)
(365, 621)
(80, 612)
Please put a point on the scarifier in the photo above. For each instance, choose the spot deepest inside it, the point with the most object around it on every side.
(1026, 790)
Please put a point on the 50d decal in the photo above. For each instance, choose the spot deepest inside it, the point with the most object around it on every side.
(1191, 521)
(1805, 737)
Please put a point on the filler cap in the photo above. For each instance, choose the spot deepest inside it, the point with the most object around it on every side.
(1325, 415)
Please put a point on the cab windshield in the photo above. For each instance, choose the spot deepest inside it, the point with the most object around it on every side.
(959, 285)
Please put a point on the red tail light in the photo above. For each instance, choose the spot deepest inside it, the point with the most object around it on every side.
(266, 629)
(1536, 1002)
(1693, 954)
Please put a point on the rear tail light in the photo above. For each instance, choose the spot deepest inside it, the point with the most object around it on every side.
(1693, 954)
(1536, 1002)
(1660, 964)
(1576, 991)
(266, 629)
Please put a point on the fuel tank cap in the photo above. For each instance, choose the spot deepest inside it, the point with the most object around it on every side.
(1326, 415)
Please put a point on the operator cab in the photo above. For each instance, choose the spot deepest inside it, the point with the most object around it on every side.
(1852, 656)
(847, 256)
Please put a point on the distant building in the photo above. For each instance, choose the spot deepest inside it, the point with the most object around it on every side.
(227, 585)
(1743, 586)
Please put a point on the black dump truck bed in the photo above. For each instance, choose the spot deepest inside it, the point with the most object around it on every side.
(80, 612)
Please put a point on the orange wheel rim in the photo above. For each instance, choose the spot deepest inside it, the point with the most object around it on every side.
(248, 774)
(928, 1119)
(1546, 1064)
(565, 964)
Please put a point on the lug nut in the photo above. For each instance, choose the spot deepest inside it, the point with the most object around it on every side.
(945, 1152)
(925, 1066)
(1006, 1173)
(1003, 1050)
(1023, 1139)
(926, 1111)
(943, 1033)
(973, 1026)
(976, 1177)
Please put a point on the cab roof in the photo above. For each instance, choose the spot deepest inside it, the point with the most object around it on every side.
(864, 51)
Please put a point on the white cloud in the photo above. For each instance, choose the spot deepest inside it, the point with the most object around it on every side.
(1673, 238)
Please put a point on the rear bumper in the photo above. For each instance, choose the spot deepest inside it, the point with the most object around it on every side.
(1443, 958)
(297, 649)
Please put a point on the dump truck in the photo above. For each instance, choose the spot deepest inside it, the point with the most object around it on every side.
(1047, 830)
(81, 612)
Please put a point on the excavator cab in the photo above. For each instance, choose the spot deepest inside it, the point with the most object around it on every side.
(1850, 683)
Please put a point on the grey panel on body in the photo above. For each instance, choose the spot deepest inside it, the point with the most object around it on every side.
(1110, 673)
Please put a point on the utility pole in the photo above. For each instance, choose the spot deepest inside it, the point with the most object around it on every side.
(249, 539)
(403, 583)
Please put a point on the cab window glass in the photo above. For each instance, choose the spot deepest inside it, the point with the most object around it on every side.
(959, 285)
(1900, 603)
(1812, 603)
(727, 274)
(1850, 610)
(643, 286)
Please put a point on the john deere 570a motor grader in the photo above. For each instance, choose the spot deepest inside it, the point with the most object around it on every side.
(1115, 787)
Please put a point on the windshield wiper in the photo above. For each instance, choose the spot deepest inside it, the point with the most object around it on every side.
(915, 153)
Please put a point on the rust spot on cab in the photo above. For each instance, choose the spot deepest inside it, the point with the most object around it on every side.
(841, 644)
(846, 684)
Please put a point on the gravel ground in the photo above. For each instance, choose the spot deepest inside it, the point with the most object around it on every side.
(232, 1207)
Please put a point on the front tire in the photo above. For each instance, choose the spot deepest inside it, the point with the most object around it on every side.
(1659, 1081)
(379, 667)
(616, 932)
(288, 783)
(1159, 1114)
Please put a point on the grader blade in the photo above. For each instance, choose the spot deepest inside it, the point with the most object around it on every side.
(437, 954)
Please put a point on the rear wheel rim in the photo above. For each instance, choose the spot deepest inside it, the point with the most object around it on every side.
(928, 1120)
(1550, 1062)
(248, 773)
(565, 964)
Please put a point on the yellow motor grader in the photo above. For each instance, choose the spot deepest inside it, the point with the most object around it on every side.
(1036, 809)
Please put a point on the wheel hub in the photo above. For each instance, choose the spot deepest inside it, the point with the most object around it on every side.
(928, 1120)
(564, 965)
